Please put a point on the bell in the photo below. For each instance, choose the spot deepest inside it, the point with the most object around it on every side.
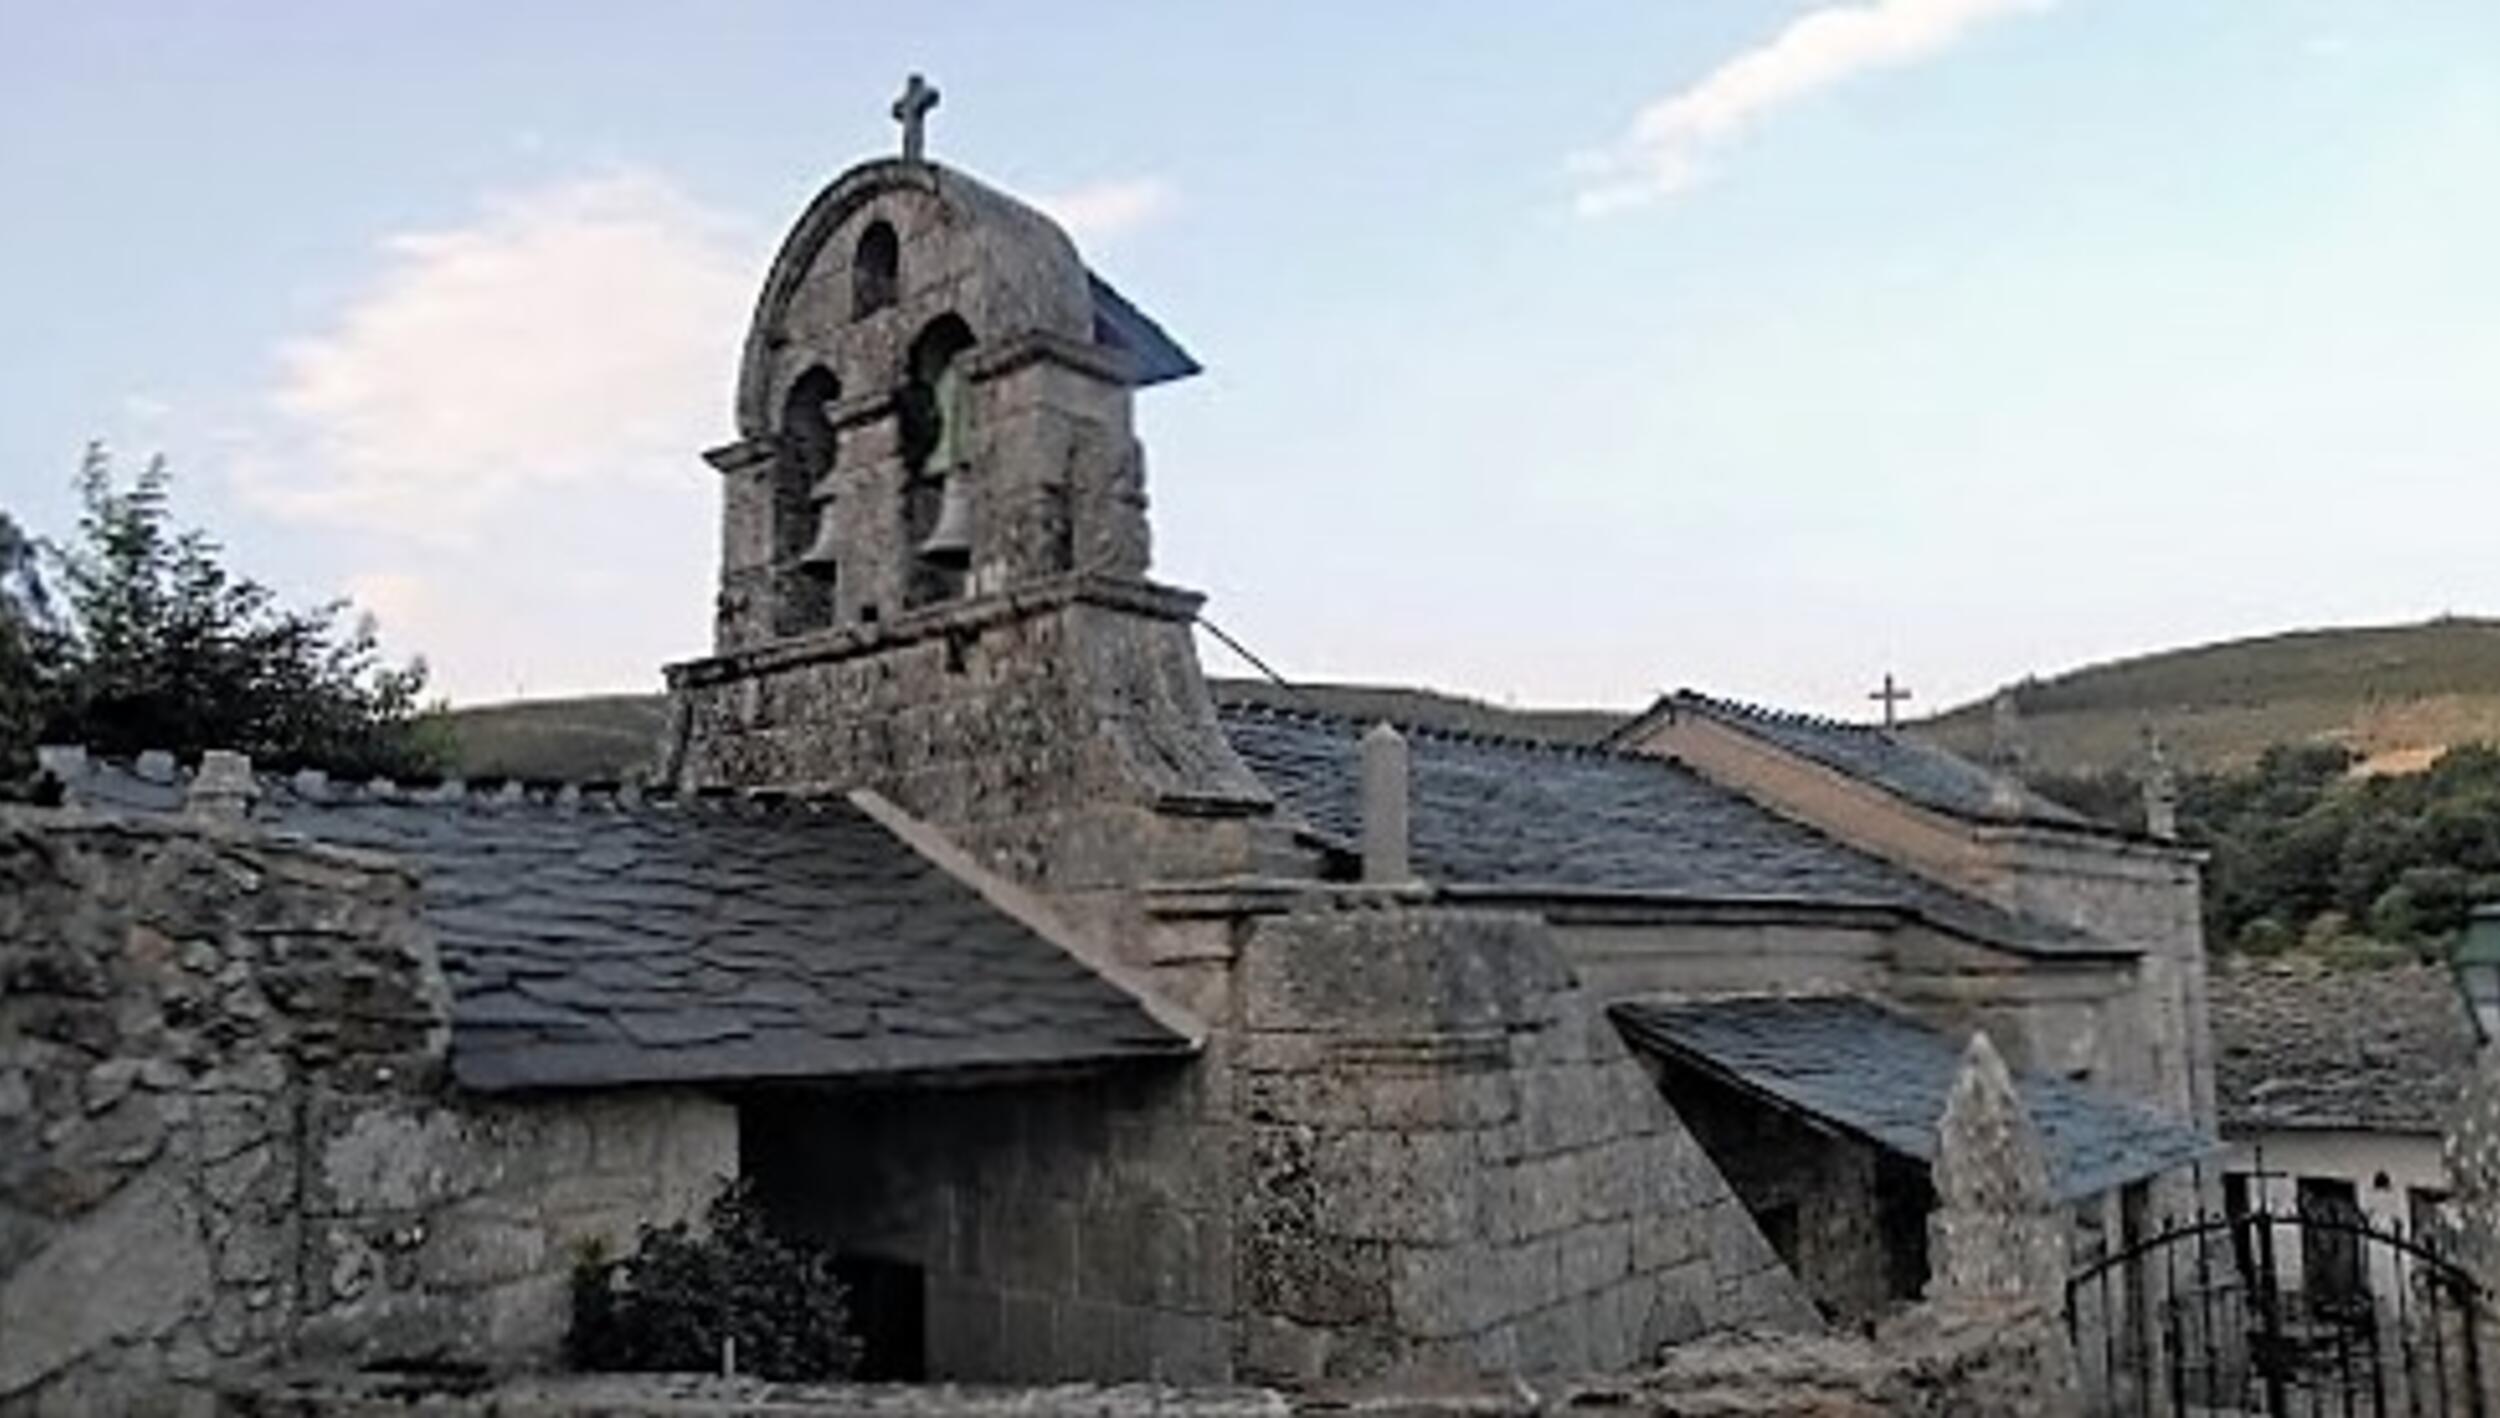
(949, 543)
(822, 555)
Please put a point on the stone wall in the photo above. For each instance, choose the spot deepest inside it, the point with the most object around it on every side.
(1455, 1165)
(1079, 1229)
(1064, 734)
(224, 1135)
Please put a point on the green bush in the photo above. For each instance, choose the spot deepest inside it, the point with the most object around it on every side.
(675, 1304)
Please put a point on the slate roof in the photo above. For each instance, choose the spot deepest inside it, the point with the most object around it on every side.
(1901, 763)
(596, 942)
(1538, 816)
(1884, 1076)
(1119, 324)
(2301, 1046)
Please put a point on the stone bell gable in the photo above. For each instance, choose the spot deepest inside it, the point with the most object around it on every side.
(934, 546)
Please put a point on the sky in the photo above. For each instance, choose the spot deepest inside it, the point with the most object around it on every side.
(1557, 354)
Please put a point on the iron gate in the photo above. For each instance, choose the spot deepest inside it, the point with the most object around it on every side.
(2278, 1313)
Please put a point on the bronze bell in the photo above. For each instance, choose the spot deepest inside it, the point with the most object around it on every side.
(949, 543)
(822, 555)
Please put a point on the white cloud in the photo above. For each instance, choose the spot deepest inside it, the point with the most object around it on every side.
(578, 334)
(1102, 210)
(1664, 150)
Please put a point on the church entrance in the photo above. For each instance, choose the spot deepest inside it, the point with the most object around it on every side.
(2311, 1308)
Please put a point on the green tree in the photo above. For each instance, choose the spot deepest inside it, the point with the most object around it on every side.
(31, 648)
(158, 645)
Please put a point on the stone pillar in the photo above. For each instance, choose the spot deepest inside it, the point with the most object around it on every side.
(1996, 1233)
(2471, 1151)
(1387, 855)
(224, 787)
(1996, 1247)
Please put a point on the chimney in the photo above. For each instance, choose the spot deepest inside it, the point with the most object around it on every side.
(223, 788)
(1387, 860)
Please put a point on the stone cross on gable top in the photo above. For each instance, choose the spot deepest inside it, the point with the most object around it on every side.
(1891, 697)
(912, 111)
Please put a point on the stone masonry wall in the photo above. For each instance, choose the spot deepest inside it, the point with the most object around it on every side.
(1455, 1165)
(224, 1136)
(1065, 735)
(1078, 1229)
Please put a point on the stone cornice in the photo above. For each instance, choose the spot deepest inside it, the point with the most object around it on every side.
(747, 455)
(1133, 597)
(1045, 346)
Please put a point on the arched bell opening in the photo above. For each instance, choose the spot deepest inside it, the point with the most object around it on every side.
(934, 413)
(804, 552)
(876, 270)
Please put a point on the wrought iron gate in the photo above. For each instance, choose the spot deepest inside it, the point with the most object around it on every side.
(2278, 1313)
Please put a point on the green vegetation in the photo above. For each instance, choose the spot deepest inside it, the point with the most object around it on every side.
(2307, 856)
(135, 637)
(734, 1295)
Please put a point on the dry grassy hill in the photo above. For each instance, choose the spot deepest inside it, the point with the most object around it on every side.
(2396, 695)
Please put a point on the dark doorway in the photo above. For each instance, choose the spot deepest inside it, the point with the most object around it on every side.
(889, 1308)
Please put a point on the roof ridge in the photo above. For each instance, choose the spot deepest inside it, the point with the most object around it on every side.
(1776, 714)
(1311, 713)
(320, 787)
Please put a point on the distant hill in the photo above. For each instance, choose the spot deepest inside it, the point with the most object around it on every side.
(614, 735)
(2396, 696)
(603, 736)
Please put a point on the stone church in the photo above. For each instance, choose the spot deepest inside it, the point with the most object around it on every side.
(1107, 1030)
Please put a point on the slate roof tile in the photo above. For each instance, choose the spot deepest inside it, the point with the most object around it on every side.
(599, 944)
(2298, 1045)
(1883, 1076)
(1893, 759)
(1531, 815)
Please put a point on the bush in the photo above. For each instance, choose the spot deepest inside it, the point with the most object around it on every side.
(677, 1301)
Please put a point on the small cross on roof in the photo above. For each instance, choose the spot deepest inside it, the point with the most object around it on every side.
(912, 111)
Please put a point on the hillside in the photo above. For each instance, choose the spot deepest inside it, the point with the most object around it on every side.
(611, 736)
(2394, 696)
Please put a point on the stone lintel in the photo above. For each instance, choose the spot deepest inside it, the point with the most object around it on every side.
(1134, 597)
(747, 455)
(997, 361)
(856, 409)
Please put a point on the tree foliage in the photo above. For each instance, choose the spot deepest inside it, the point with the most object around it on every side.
(2302, 853)
(135, 636)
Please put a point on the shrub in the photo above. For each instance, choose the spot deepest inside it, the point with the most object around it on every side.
(677, 1301)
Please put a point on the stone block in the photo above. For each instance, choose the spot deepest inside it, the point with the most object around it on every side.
(1595, 1257)
(461, 1252)
(129, 1272)
(1661, 1239)
(1187, 1349)
(1280, 1351)
(1028, 1340)
(1445, 1291)
(1555, 1340)
(1032, 1245)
